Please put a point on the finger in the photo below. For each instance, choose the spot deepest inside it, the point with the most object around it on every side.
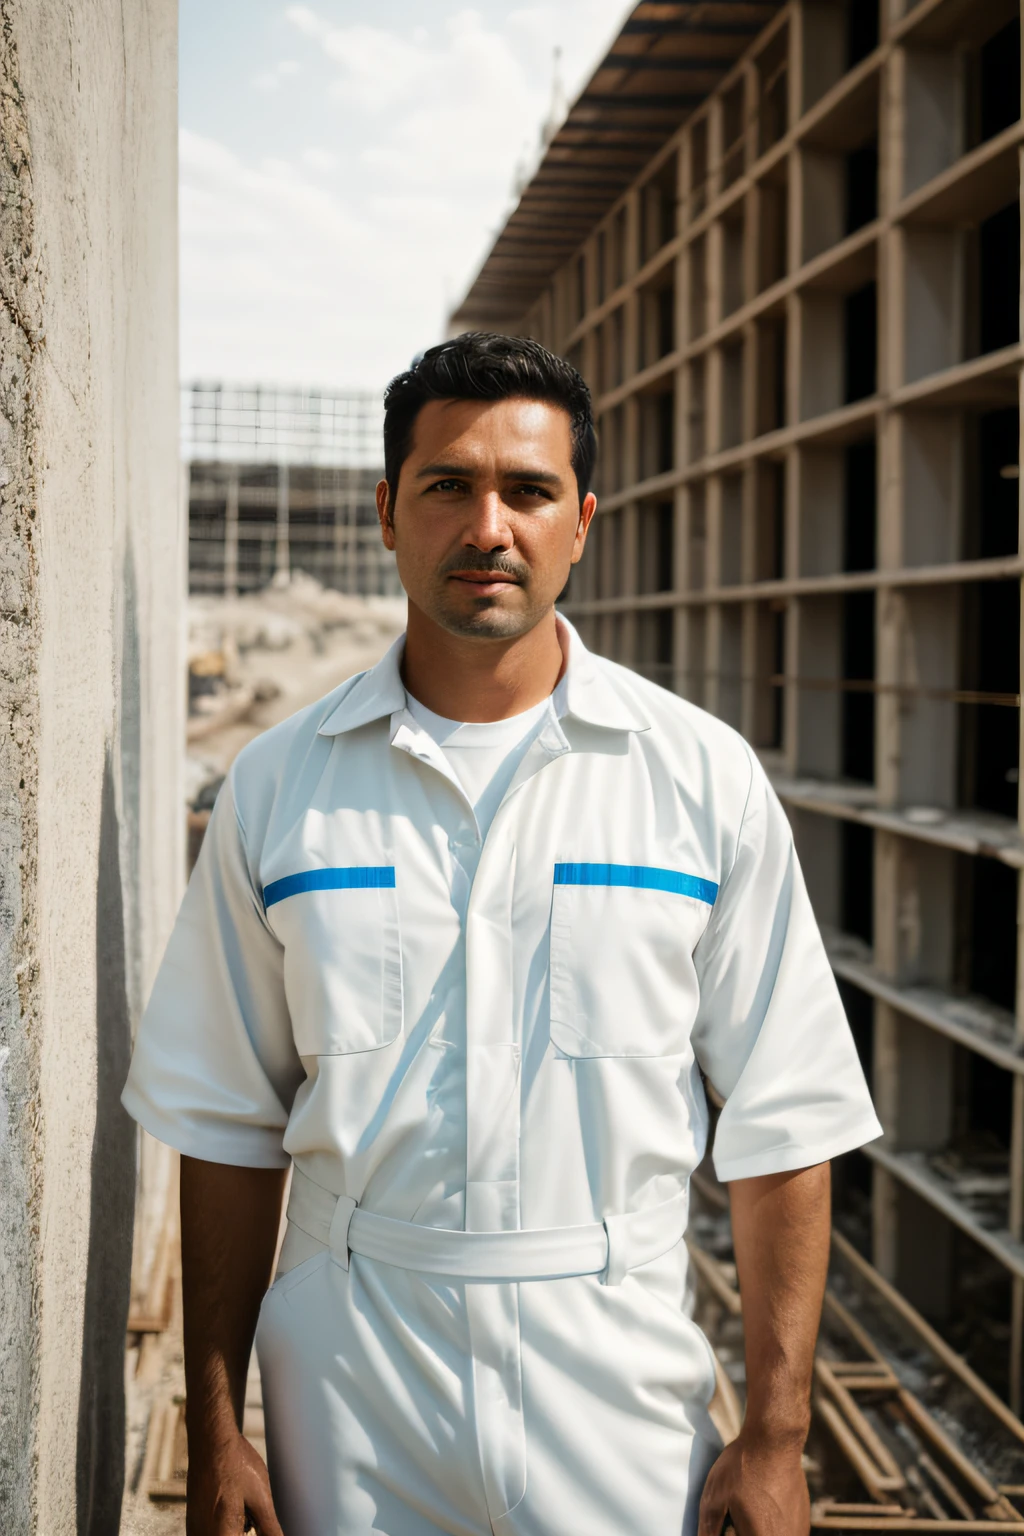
(714, 1507)
(260, 1508)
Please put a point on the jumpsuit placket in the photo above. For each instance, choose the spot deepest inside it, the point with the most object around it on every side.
(493, 1097)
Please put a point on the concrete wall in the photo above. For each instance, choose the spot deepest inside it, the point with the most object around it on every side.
(91, 582)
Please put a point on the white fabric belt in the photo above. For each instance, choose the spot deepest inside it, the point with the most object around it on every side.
(610, 1248)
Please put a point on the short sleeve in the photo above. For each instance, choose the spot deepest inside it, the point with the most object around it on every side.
(215, 1067)
(771, 1033)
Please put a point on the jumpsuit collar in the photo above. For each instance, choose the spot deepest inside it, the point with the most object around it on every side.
(592, 692)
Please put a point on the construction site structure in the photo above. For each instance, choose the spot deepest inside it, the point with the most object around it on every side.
(282, 480)
(782, 244)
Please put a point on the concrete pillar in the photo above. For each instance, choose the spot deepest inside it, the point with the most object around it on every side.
(92, 569)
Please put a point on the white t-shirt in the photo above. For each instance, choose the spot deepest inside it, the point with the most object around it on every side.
(484, 755)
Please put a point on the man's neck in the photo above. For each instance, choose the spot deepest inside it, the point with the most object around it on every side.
(469, 678)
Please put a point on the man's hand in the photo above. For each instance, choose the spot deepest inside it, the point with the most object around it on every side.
(761, 1489)
(225, 1487)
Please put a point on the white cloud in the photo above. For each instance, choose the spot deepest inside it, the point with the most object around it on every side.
(270, 79)
(320, 159)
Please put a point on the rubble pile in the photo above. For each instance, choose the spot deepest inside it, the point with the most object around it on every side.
(257, 658)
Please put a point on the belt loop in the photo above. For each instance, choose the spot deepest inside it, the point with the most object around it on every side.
(340, 1222)
(617, 1268)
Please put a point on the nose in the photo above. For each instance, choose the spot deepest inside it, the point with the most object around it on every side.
(488, 528)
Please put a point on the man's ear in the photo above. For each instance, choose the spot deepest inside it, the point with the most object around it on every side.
(587, 511)
(387, 524)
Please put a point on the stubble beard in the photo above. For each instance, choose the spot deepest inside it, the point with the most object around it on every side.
(487, 618)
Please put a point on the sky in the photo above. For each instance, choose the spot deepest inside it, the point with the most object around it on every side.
(345, 166)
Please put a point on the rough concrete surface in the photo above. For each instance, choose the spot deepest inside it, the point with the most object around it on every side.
(91, 578)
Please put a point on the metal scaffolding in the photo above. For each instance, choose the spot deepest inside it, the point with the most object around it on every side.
(283, 480)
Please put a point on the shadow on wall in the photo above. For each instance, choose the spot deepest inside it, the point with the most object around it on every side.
(101, 1410)
(99, 1467)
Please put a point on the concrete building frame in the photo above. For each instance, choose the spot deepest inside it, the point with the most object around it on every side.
(790, 272)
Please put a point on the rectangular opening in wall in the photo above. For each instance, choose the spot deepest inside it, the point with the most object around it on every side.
(858, 760)
(654, 641)
(658, 210)
(860, 326)
(731, 558)
(825, 48)
(860, 1010)
(861, 30)
(999, 279)
(610, 451)
(992, 485)
(773, 241)
(860, 522)
(657, 321)
(732, 395)
(987, 929)
(992, 93)
(694, 677)
(697, 560)
(610, 548)
(697, 433)
(769, 541)
(770, 666)
(771, 374)
(698, 288)
(616, 327)
(730, 664)
(732, 135)
(862, 186)
(732, 262)
(656, 553)
(860, 506)
(773, 91)
(989, 729)
(983, 1110)
(856, 897)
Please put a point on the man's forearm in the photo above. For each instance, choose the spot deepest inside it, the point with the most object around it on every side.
(781, 1228)
(229, 1225)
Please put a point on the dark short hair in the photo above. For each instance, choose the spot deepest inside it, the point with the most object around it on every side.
(479, 365)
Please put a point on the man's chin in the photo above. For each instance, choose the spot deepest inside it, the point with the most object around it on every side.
(486, 619)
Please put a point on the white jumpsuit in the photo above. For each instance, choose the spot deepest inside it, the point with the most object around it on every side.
(484, 1058)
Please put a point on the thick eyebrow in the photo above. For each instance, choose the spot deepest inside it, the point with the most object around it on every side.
(466, 472)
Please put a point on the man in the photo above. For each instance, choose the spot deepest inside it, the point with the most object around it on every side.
(461, 941)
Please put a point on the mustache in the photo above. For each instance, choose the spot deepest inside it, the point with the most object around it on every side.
(490, 565)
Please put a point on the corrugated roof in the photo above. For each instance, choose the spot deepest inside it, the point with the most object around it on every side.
(665, 61)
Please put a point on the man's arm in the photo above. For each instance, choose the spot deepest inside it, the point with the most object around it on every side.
(781, 1227)
(229, 1225)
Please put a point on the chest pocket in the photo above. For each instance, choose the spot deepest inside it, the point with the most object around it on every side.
(622, 976)
(342, 957)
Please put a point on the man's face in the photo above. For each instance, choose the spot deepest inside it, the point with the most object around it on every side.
(487, 519)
